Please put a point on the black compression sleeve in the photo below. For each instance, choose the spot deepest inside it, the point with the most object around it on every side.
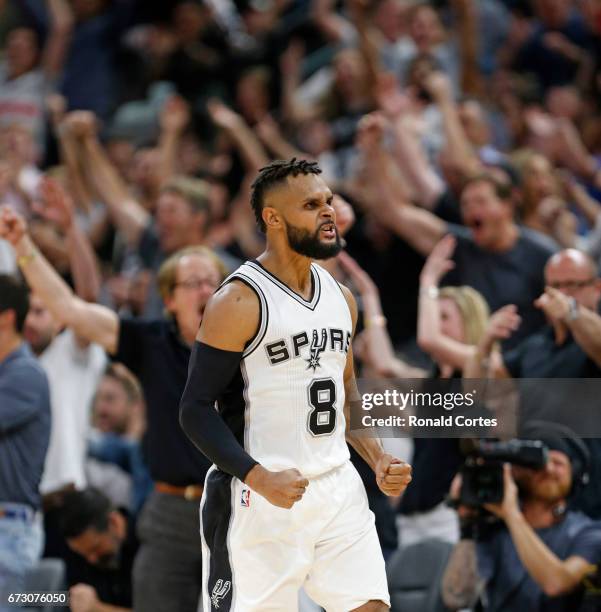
(209, 374)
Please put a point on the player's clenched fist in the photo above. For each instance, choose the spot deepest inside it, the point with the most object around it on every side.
(281, 489)
(392, 475)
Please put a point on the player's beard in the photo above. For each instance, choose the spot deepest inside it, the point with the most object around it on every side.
(306, 243)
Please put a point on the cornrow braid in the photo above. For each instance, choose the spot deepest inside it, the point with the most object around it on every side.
(272, 174)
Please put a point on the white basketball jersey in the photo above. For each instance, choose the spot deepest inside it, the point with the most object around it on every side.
(286, 405)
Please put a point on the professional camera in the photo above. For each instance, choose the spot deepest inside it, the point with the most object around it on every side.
(482, 472)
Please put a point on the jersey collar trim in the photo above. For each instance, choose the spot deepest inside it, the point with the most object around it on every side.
(315, 282)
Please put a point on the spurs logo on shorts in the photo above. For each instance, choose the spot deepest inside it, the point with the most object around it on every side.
(220, 590)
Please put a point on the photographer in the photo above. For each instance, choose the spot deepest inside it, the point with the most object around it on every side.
(540, 551)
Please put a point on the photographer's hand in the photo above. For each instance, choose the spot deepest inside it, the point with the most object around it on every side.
(510, 506)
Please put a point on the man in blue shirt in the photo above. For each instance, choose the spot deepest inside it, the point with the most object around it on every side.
(541, 551)
(24, 435)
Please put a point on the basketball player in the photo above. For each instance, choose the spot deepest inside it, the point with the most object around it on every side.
(283, 506)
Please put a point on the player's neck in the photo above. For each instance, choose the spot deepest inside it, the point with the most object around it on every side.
(289, 267)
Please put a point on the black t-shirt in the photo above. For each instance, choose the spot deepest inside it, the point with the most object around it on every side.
(512, 277)
(113, 586)
(447, 207)
(434, 463)
(538, 356)
(154, 351)
(149, 248)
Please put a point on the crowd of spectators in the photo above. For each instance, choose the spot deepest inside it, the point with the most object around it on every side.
(462, 139)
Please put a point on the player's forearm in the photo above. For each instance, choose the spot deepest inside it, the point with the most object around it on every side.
(370, 449)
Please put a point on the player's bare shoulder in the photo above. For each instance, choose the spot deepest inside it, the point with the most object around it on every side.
(231, 317)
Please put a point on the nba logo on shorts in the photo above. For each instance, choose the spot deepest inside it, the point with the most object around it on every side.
(245, 498)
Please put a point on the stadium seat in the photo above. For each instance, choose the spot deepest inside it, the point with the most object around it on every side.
(415, 575)
(47, 575)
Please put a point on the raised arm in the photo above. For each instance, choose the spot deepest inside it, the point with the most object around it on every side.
(175, 116)
(71, 156)
(90, 321)
(290, 69)
(430, 337)
(409, 154)
(392, 474)
(589, 207)
(128, 215)
(233, 124)
(360, 13)
(59, 36)
(215, 359)
(272, 138)
(420, 228)
(335, 27)
(486, 361)
(382, 199)
(58, 208)
(465, 14)
(463, 156)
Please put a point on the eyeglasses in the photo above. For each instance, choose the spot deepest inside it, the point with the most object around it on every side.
(571, 285)
(197, 283)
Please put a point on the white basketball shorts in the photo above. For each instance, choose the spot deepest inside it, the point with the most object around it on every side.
(256, 556)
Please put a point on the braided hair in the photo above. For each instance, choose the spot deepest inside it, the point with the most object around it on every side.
(272, 174)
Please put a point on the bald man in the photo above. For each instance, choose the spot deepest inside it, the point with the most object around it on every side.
(568, 348)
